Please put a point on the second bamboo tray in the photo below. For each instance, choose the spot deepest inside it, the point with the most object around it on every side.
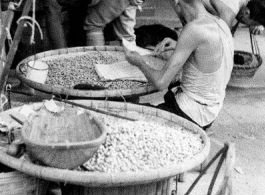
(123, 181)
(87, 94)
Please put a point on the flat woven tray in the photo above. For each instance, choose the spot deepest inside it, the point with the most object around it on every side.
(101, 179)
(88, 94)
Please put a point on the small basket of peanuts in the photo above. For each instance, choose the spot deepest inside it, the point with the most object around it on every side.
(61, 138)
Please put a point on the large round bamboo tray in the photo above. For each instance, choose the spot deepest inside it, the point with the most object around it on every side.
(88, 94)
(156, 181)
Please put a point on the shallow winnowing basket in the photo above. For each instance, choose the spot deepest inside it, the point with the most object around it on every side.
(65, 141)
(88, 94)
(147, 182)
(252, 61)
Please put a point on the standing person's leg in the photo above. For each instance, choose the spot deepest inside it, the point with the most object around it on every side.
(98, 16)
(54, 24)
(76, 33)
(124, 25)
(2, 51)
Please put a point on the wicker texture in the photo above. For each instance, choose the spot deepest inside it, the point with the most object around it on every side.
(246, 70)
(17, 183)
(126, 179)
(162, 187)
(89, 94)
(251, 61)
(62, 141)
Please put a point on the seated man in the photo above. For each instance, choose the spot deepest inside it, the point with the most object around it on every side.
(204, 53)
(121, 13)
(249, 12)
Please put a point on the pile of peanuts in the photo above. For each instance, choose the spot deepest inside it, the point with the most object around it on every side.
(133, 146)
(71, 69)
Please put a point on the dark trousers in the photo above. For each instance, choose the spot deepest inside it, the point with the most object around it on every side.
(172, 106)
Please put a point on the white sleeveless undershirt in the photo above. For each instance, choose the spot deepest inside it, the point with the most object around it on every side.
(203, 94)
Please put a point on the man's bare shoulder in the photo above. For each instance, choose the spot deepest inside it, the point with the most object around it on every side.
(198, 29)
(203, 33)
(192, 28)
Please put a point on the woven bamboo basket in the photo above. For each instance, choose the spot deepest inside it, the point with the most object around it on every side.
(64, 141)
(88, 94)
(153, 181)
(17, 183)
(251, 60)
(249, 68)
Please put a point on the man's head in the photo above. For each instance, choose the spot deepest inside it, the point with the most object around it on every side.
(184, 8)
(178, 6)
(253, 13)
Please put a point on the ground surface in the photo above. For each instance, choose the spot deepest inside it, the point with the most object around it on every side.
(242, 122)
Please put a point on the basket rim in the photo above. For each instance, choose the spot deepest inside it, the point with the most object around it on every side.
(242, 51)
(71, 145)
(59, 90)
(99, 179)
(244, 66)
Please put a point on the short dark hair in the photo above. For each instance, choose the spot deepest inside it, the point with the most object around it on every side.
(257, 10)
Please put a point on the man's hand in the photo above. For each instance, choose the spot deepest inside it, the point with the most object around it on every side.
(165, 45)
(257, 30)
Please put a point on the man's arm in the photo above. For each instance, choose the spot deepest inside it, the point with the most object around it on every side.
(136, 59)
(188, 41)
